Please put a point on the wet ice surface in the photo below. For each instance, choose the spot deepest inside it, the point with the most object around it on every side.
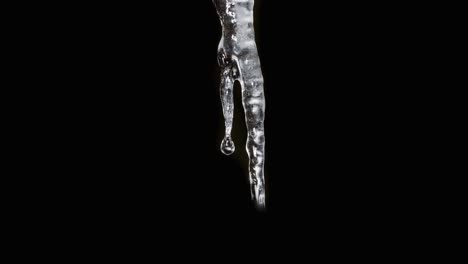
(238, 59)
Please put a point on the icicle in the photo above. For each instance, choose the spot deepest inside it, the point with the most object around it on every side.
(238, 59)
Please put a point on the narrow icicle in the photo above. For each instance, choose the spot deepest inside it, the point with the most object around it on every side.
(238, 59)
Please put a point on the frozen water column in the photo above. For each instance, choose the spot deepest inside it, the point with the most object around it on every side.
(238, 59)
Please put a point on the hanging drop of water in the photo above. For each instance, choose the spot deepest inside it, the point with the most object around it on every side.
(227, 146)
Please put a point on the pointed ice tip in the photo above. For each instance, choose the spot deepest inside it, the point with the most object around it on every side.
(227, 146)
(260, 205)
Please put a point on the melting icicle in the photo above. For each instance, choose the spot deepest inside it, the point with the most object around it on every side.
(238, 59)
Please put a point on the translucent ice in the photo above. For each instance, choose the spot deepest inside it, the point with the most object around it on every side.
(238, 59)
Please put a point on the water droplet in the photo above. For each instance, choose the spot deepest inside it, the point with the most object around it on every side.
(227, 146)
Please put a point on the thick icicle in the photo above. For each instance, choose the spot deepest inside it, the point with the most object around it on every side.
(238, 59)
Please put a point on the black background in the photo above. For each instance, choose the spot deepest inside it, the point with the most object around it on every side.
(145, 119)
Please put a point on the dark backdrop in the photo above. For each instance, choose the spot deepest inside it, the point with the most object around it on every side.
(147, 122)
